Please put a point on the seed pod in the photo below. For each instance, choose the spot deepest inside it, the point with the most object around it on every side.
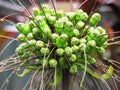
(36, 11)
(96, 17)
(23, 28)
(74, 41)
(53, 63)
(21, 37)
(40, 44)
(44, 51)
(73, 69)
(75, 48)
(78, 14)
(76, 32)
(54, 37)
(79, 25)
(68, 51)
(30, 36)
(32, 42)
(59, 51)
(72, 58)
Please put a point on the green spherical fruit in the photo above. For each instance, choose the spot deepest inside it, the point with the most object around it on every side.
(31, 24)
(80, 25)
(91, 43)
(75, 48)
(47, 32)
(51, 19)
(73, 69)
(92, 60)
(82, 46)
(64, 37)
(46, 9)
(54, 37)
(68, 51)
(19, 50)
(45, 63)
(84, 16)
(96, 17)
(82, 40)
(59, 26)
(36, 11)
(76, 32)
(44, 51)
(68, 28)
(53, 63)
(21, 37)
(36, 32)
(101, 50)
(59, 51)
(60, 13)
(74, 41)
(70, 16)
(24, 45)
(96, 32)
(101, 30)
(30, 36)
(40, 44)
(78, 14)
(32, 42)
(72, 58)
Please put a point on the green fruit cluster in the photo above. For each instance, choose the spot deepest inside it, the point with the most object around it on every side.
(60, 39)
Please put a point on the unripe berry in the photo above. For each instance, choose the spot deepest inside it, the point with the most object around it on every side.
(68, 51)
(72, 58)
(44, 51)
(73, 69)
(59, 51)
(53, 63)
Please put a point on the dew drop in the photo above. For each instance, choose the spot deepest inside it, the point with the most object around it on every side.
(18, 69)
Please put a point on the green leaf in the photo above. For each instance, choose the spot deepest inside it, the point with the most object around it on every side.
(24, 72)
(109, 73)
